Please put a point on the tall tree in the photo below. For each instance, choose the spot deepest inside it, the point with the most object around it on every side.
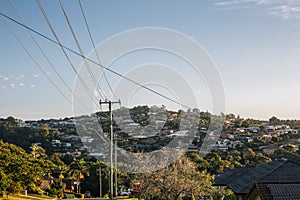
(274, 121)
(178, 180)
(19, 170)
(78, 169)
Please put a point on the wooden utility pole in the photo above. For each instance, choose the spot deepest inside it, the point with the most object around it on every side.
(100, 181)
(111, 144)
(116, 168)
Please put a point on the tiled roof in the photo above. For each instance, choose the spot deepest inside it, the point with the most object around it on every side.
(278, 191)
(242, 180)
(288, 172)
(230, 175)
(263, 191)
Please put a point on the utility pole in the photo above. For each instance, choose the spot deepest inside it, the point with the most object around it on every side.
(111, 144)
(116, 168)
(100, 182)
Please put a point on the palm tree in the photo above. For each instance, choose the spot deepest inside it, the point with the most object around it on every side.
(62, 170)
(78, 169)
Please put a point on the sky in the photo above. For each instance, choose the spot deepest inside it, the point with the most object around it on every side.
(254, 45)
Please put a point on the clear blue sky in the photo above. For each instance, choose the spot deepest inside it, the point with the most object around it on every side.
(254, 43)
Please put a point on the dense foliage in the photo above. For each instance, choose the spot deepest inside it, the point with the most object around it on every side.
(21, 171)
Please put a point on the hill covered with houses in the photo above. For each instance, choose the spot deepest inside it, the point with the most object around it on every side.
(237, 142)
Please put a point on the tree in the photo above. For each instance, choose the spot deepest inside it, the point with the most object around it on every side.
(56, 189)
(92, 182)
(291, 148)
(38, 151)
(275, 139)
(248, 156)
(274, 121)
(61, 171)
(78, 170)
(230, 116)
(238, 122)
(56, 158)
(5, 182)
(178, 180)
(19, 170)
(216, 164)
(200, 162)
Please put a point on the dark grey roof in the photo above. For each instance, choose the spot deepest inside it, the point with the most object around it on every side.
(230, 175)
(278, 191)
(242, 180)
(288, 172)
(285, 191)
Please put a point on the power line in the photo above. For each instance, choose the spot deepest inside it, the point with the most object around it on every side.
(34, 60)
(108, 69)
(80, 50)
(94, 46)
(65, 53)
(45, 55)
(98, 57)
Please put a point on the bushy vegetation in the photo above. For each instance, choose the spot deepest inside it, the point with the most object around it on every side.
(20, 171)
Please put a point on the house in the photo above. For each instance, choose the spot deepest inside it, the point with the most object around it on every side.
(23, 124)
(270, 129)
(267, 149)
(295, 147)
(277, 127)
(55, 143)
(249, 139)
(251, 183)
(227, 134)
(268, 191)
(236, 144)
(221, 147)
(180, 133)
(265, 137)
(253, 129)
(287, 131)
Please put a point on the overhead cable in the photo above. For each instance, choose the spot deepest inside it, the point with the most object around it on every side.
(65, 53)
(34, 60)
(45, 55)
(92, 61)
(101, 93)
(94, 47)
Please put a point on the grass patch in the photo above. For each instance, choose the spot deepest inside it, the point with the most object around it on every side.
(23, 197)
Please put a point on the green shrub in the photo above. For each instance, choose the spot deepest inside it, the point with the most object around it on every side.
(56, 189)
(69, 196)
